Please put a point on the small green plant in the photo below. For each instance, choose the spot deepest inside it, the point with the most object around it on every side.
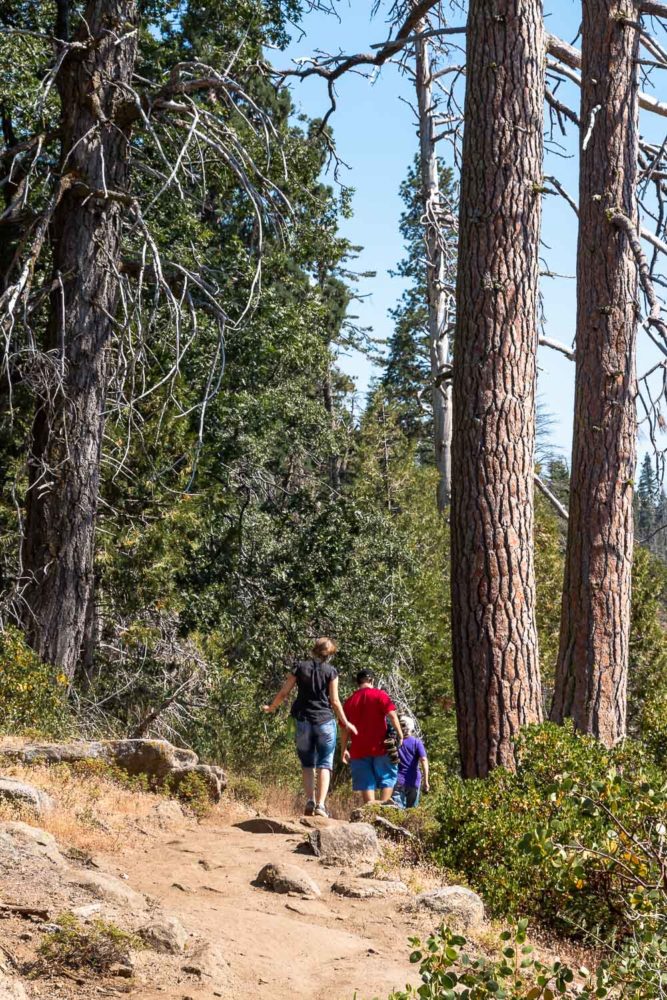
(449, 973)
(247, 790)
(96, 946)
(192, 790)
(32, 693)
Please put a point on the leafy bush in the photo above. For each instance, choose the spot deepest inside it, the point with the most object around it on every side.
(32, 693)
(95, 946)
(249, 791)
(486, 829)
(449, 973)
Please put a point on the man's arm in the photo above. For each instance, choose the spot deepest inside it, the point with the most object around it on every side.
(424, 765)
(338, 708)
(290, 681)
(393, 718)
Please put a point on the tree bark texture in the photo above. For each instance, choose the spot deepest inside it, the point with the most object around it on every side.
(439, 299)
(64, 464)
(591, 676)
(496, 668)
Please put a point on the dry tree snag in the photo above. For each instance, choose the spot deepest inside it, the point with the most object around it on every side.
(84, 233)
(593, 658)
(496, 670)
(439, 297)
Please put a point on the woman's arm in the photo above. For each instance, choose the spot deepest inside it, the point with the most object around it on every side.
(335, 703)
(290, 681)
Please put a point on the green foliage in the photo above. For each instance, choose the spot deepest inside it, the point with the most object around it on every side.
(32, 700)
(447, 972)
(249, 791)
(647, 695)
(95, 946)
(193, 791)
(492, 832)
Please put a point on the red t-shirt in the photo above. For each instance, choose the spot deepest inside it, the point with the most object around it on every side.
(366, 709)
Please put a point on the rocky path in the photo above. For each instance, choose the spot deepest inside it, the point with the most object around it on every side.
(275, 946)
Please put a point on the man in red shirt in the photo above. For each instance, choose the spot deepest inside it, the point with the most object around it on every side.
(368, 710)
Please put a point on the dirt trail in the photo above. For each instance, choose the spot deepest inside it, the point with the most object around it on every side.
(278, 947)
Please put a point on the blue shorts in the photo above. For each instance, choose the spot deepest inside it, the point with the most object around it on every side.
(316, 743)
(369, 773)
(406, 796)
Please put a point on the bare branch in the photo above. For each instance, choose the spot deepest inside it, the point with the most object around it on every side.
(654, 9)
(555, 345)
(552, 498)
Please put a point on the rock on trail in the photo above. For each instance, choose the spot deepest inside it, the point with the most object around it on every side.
(347, 844)
(287, 878)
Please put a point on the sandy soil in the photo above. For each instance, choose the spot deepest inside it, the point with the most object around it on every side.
(277, 947)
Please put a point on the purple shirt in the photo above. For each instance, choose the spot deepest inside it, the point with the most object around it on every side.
(410, 753)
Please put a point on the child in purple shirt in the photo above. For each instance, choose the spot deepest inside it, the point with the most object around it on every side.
(411, 756)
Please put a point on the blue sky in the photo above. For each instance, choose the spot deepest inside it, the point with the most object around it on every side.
(375, 135)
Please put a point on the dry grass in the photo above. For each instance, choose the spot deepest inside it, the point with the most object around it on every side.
(93, 812)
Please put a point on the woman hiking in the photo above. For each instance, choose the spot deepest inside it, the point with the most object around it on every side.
(316, 681)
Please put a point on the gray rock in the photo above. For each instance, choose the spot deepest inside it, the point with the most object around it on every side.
(462, 908)
(318, 822)
(110, 888)
(23, 794)
(34, 841)
(287, 878)
(391, 830)
(347, 844)
(11, 988)
(157, 759)
(265, 824)
(366, 888)
(165, 934)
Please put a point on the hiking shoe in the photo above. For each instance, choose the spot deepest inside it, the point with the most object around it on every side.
(321, 811)
(310, 808)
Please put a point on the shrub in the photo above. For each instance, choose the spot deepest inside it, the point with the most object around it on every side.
(249, 791)
(449, 973)
(32, 693)
(96, 946)
(486, 829)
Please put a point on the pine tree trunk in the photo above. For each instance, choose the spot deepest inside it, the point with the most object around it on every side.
(438, 298)
(496, 669)
(64, 464)
(591, 676)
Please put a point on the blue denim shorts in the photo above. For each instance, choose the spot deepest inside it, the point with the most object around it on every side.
(369, 773)
(316, 743)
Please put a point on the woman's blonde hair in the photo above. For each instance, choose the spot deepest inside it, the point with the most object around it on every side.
(323, 648)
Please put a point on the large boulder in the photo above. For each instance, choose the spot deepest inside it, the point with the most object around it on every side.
(287, 878)
(163, 763)
(462, 908)
(347, 844)
(20, 793)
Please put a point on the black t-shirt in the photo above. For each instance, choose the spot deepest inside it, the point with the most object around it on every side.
(312, 701)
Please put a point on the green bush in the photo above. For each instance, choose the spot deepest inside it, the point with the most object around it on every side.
(249, 791)
(32, 693)
(448, 972)
(95, 946)
(487, 830)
